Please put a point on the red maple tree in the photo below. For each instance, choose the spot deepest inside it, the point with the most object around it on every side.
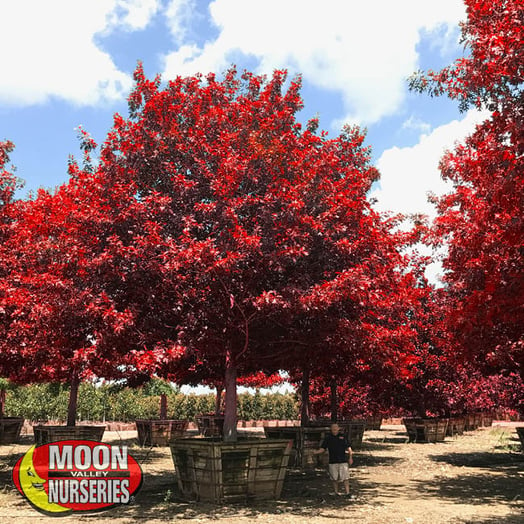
(8, 185)
(482, 219)
(269, 252)
(62, 261)
(216, 239)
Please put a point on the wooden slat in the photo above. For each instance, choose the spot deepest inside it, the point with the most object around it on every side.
(252, 474)
(10, 428)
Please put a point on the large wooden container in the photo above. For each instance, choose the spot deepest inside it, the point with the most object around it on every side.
(293, 434)
(426, 429)
(373, 423)
(455, 426)
(311, 438)
(10, 428)
(217, 471)
(471, 422)
(45, 434)
(520, 433)
(487, 419)
(307, 439)
(354, 431)
(210, 425)
(159, 432)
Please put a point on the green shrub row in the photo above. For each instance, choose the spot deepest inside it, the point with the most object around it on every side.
(42, 402)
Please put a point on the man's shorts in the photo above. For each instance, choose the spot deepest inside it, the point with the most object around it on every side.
(339, 471)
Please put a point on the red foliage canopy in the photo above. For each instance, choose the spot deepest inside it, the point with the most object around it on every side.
(268, 250)
(216, 239)
(61, 282)
(482, 220)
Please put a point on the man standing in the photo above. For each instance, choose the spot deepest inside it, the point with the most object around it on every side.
(337, 446)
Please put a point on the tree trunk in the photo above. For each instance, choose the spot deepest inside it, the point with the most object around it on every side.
(334, 400)
(304, 406)
(2, 402)
(218, 400)
(73, 400)
(163, 406)
(230, 411)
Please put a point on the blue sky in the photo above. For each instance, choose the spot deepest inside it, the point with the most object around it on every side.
(70, 63)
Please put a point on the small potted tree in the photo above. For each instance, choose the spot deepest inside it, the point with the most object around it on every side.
(10, 427)
(159, 432)
(60, 314)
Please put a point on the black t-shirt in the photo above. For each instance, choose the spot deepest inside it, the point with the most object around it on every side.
(336, 446)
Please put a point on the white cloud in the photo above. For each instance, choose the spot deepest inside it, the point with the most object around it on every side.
(362, 50)
(409, 173)
(48, 49)
(133, 14)
(178, 15)
(415, 124)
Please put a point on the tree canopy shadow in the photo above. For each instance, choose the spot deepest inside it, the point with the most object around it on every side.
(375, 445)
(479, 488)
(306, 494)
(483, 459)
(508, 519)
(369, 460)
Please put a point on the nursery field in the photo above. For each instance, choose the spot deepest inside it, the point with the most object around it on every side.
(475, 478)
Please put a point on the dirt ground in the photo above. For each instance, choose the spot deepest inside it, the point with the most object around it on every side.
(475, 478)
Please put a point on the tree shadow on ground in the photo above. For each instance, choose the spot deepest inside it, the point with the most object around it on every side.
(499, 478)
(483, 459)
(306, 494)
(25, 440)
(369, 460)
(375, 445)
(8, 459)
(479, 488)
(508, 519)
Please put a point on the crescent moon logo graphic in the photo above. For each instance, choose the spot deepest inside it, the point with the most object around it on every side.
(32, 485)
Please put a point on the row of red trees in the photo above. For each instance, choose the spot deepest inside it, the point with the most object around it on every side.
(216, 240)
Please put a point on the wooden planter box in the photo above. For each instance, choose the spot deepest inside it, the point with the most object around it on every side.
(471, 422)
(307, 439)
(159, 432)
(426, 429)
(520, 433)
(46, 434)
(210, 425)
(487, 419)
(373, 424)
(295, 434)
(10, 428)
(354, 431)
(217, 471)
(455, 426)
